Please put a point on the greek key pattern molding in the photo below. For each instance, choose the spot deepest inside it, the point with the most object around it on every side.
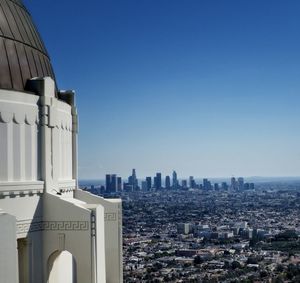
(28, 227)
(110, 216)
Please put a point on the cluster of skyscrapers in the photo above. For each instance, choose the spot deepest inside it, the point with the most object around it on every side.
(114, 183)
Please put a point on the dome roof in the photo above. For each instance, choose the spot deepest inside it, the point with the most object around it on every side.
(22, 51)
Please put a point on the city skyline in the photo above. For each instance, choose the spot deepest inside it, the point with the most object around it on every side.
(196, 177)
(115, 184)
(202, 86)
(137, 180)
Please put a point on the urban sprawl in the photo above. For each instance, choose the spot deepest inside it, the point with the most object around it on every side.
(231, 231)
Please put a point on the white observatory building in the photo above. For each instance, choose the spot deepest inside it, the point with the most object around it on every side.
(50, 230)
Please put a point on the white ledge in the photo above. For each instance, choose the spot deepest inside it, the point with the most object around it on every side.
(21, 186)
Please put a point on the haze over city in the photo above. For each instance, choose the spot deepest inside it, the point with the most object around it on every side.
(209, 88)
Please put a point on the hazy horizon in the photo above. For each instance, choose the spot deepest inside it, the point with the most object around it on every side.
(246, 178)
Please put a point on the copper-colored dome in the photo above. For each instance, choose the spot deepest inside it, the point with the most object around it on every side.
(22, 51)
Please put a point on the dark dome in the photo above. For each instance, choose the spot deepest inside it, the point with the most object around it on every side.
(22, 51)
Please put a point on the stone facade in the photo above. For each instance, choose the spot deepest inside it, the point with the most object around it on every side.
(50, 231)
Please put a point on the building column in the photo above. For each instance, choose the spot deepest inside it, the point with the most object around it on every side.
(45, 88)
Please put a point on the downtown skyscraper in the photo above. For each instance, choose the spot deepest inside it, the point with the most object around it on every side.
(174, 180)
(132, 180)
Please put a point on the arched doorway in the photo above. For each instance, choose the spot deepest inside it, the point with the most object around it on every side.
(62, 268)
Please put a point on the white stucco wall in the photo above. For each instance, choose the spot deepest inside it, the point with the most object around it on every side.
(69, 228)
(19, 121)
(113, 233)
(8, 248)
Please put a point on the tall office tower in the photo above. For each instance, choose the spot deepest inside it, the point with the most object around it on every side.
(192, 182)
(224, 186)
(149, 183)
(233, 184)
(111, 183)
(119, 184)
(114, 183)
(191, 179)
(216, 186)
(168, 182)
(132, 180)
(154, 182)
(251, 186)
(144, 185)
(50, 230)
(158, 181)
(209, 185)
(107, 183)
(184, 184)
(240, 183)
(174, 180)
(127, 187)
(206, 184)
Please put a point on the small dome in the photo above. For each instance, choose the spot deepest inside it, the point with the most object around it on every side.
(22, 51)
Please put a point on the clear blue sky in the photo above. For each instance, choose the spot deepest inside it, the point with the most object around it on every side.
(209, 88)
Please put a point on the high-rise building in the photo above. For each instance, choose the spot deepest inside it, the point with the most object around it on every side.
(216, 186)
(184, 184)
(192, 182)
(224, 186)
(111, 183)
(168, 182)
(233, 184)
(50, 230)
(114, 184)
(144, 185)
(207, 184)
(240, 183)
(132, 180)
(107, 182)
(119, 184)
(158, 181)
(174, 180)
(149, 183)
(127, 187)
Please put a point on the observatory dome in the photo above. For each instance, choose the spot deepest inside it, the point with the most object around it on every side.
(22, 52)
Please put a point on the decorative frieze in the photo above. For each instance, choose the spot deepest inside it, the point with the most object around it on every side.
(27, 226)
(110, 216)
(18, 113)
(19, 127)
